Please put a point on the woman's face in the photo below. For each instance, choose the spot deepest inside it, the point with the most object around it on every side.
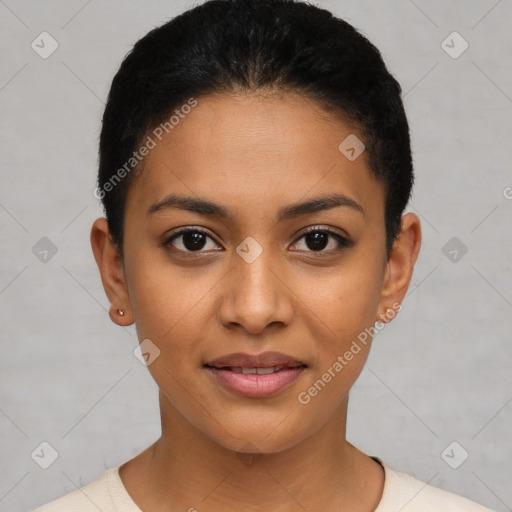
(252, 280)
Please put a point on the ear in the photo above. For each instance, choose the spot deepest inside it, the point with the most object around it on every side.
(111, 270)
(399, 267)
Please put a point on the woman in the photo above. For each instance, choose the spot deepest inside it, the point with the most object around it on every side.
(255, 164)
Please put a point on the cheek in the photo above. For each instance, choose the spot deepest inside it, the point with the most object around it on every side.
(340, 304)
(166, 300)
(341, 313)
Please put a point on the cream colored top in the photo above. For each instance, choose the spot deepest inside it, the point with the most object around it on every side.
(402, 492)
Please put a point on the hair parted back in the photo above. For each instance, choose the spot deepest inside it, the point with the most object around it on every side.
(227, 46)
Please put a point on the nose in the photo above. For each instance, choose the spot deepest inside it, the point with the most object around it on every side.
(256, 297)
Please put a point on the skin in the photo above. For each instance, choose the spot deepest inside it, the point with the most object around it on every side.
(254, 154)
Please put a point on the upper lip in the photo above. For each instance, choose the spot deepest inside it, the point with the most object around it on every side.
(263, 360)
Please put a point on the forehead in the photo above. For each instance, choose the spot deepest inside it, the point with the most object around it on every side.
(254, 150)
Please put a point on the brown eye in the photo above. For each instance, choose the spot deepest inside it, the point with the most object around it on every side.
(189, 240)
(317, 239)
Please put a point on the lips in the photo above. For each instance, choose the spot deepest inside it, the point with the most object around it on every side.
(263, 360)
(256, 376)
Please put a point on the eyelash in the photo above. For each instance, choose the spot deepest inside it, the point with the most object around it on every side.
(342, 241)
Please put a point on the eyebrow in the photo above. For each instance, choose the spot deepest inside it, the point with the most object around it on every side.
(205, 207)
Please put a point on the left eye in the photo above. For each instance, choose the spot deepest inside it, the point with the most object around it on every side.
(317, 240)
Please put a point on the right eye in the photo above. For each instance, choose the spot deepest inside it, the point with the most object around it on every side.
(188, 240)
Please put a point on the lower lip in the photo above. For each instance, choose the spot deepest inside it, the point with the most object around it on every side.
(255, 385)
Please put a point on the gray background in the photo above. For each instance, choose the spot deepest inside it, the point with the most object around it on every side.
(440, 372)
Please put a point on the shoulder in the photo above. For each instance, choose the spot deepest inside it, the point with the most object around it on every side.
(91, 497)
(408, 494)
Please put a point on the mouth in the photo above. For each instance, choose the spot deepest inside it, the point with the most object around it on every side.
(256, 370)
(256, 376)
(256, 382)
(246, 360)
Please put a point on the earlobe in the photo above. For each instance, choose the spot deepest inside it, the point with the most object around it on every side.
(111, 270)
(400, 267)
(120, 317)
(389, 313)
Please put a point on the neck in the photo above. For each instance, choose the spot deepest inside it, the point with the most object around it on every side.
(187, 470)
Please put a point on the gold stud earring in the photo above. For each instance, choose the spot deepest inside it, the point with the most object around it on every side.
(383, 316)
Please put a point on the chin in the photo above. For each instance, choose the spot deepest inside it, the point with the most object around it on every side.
(268, 440)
